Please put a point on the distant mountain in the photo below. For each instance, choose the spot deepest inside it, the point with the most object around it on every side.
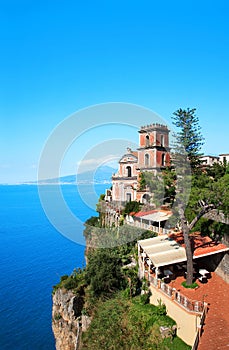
(102, 175)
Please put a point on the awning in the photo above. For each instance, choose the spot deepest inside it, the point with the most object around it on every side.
(163, 250)
(156, 216)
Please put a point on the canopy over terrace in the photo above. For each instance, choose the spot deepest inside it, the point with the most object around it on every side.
(154, 215)
(162, 250)
(169, 249)
(153, 220)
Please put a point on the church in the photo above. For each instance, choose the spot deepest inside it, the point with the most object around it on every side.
(153, 155)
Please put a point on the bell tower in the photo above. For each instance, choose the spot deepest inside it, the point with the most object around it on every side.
(153, 151)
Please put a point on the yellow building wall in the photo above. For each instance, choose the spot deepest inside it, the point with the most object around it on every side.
(187, 322)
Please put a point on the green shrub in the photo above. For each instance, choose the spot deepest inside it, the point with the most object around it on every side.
(144, 298)
(63, 278)
(192, 286)
(161, 308)
(123, 323)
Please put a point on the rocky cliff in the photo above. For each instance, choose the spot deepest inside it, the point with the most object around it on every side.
(67, 321)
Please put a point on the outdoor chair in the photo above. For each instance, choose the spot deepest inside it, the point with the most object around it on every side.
(203, 279)
(166, 279)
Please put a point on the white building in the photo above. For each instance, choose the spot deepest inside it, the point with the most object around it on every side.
(224, 158)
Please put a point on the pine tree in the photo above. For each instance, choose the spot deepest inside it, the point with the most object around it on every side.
(189, 135)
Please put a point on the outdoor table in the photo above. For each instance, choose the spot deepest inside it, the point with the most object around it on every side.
(203, 272)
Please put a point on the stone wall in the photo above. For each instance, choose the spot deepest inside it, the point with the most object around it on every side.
(223, 268)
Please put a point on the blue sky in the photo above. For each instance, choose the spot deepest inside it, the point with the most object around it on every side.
(58, 57)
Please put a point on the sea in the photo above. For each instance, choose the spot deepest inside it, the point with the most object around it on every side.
(34, 255)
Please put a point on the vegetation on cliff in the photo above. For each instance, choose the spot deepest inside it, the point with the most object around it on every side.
(130, 323)
(122, 317)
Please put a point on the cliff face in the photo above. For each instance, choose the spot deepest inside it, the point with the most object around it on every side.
(66, 320)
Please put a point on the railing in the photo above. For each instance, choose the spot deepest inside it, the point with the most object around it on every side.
(153, 280)
(143, 225)
(188, 304)
(199, 330)
(182, 300)
(118, 177)
(195, 306)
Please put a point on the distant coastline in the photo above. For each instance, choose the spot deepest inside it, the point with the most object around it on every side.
(100, 176)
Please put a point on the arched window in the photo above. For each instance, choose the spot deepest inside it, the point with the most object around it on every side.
(146, 159)
(162, 140)
(145, 198)
(128, 197)
(163, 159)
(147, 140)
(128, 168)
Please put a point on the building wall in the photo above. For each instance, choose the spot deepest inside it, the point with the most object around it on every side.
(223, 157)
(209, 160)
(223, 268)
(121, 188)
(187, 322)
(152, 139)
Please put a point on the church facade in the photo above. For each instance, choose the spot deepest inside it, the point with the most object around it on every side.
(153, 155)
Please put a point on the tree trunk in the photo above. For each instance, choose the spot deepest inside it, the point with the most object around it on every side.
(188, 248)
(189, 254)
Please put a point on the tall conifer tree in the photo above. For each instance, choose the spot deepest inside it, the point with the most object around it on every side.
(189, 135)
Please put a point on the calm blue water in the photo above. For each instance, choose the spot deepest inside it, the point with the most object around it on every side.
(33, 257)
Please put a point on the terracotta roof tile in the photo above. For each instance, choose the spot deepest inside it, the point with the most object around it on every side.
(202, 245)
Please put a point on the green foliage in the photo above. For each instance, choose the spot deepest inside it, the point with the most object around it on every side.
(133, 282)
(208, 191)
(144, 298)
(90, 224)
(189, 135)
(63, 278)
(132, 206)
(75, 282)
(216, 171)
(113, 236)
(215, 230)
(169, 179)
(103, 272)
(121, 323)
(102, 196)
(92, 221)
(162, 187)
(191, 286)
(161, 308)
(147, 181)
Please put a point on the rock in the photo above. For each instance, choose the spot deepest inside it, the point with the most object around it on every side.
(85, 320)
(66, 320)
(168, 332)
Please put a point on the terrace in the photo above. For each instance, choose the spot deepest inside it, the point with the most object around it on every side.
(163, 262)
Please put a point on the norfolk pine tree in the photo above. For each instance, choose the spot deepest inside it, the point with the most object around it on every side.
(200, 192)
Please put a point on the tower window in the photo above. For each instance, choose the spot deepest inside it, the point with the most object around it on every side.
(163, 159)
(147, 140)
(128, 168)
(146, 159)
(162, 140)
